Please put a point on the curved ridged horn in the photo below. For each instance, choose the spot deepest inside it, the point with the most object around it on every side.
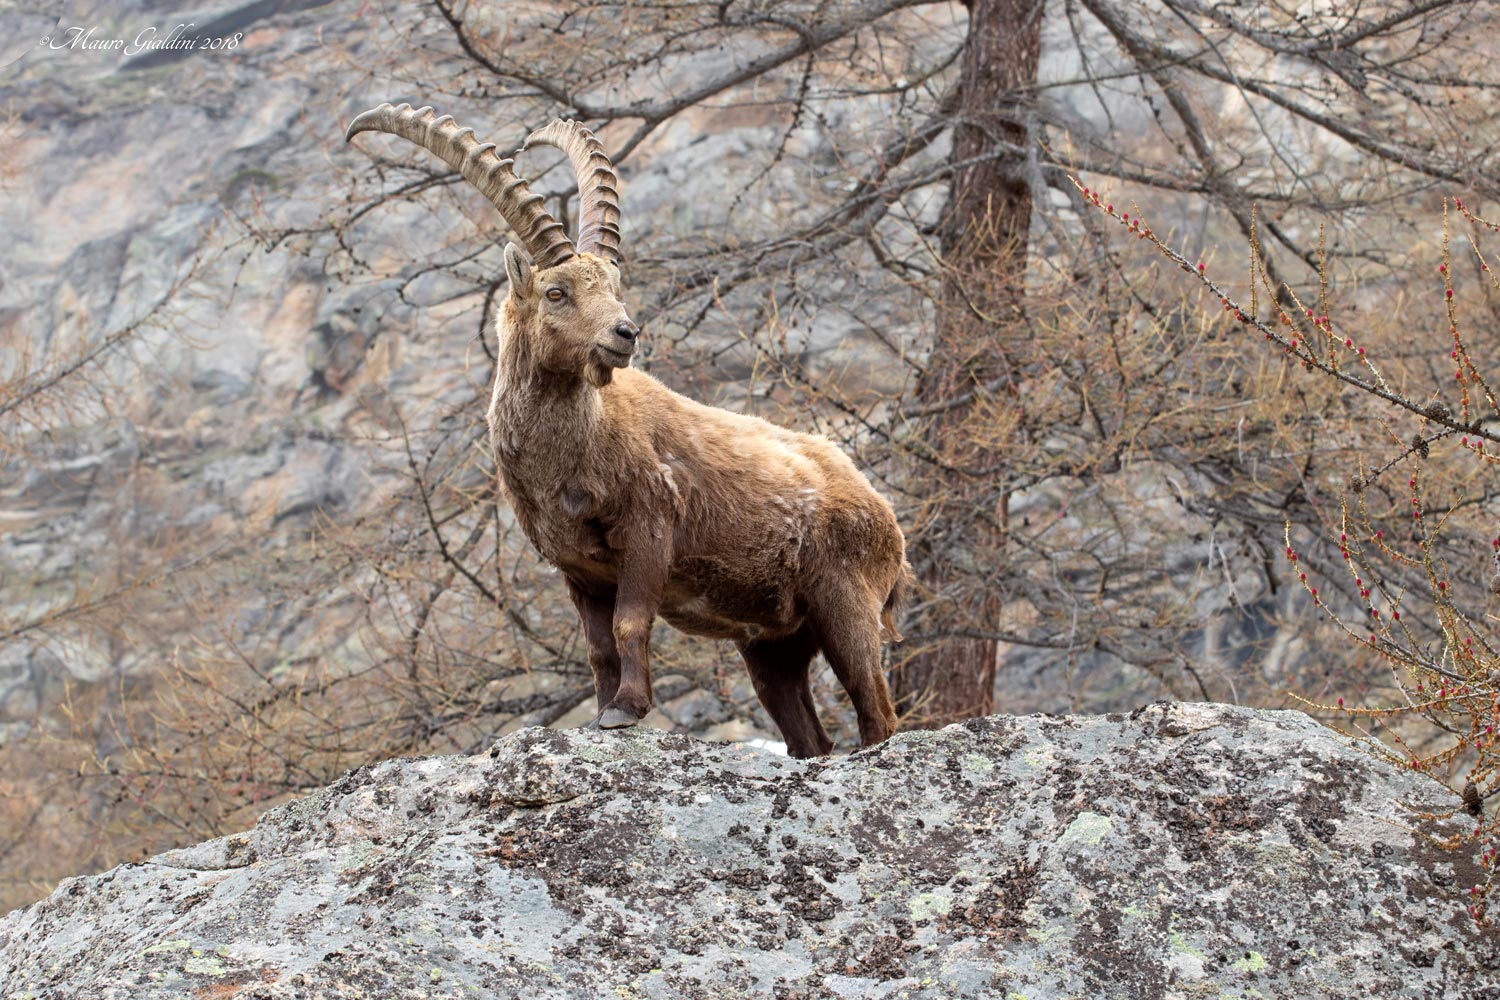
(541, 234)
(598, 192)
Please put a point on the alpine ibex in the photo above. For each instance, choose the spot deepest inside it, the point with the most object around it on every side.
(651, 504)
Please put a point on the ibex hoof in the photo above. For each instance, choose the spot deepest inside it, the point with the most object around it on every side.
(616, 718)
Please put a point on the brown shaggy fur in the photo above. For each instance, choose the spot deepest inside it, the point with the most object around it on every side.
(651, 505)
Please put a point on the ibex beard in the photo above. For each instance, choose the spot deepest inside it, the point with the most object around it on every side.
(652, 505)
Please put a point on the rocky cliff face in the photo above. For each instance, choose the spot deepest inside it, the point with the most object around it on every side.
(1183, 851)
(127, 182)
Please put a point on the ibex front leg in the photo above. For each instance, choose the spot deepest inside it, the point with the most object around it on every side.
(642, 579)
(596, 609)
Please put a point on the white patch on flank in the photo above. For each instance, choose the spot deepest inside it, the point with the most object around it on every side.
(697, 605)
(671, 481)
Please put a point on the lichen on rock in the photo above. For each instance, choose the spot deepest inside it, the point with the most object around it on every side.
(1183, 851)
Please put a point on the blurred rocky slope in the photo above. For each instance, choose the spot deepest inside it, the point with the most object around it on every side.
(1185, 850)
(123, 192)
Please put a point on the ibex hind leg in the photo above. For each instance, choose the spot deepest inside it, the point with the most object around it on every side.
(597, 613)
(847, 620)
(779, 670)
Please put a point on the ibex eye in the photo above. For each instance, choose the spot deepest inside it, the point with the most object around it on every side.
(556, 295)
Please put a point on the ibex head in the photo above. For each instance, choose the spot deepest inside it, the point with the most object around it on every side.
(569, 308)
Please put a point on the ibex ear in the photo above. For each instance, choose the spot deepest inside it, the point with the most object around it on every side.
(518, 270)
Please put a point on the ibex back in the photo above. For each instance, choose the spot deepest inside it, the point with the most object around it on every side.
(650, 504)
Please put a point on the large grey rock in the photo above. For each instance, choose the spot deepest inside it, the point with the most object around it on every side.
(1184, 851)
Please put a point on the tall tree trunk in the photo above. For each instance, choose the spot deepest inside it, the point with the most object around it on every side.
(985, 229)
